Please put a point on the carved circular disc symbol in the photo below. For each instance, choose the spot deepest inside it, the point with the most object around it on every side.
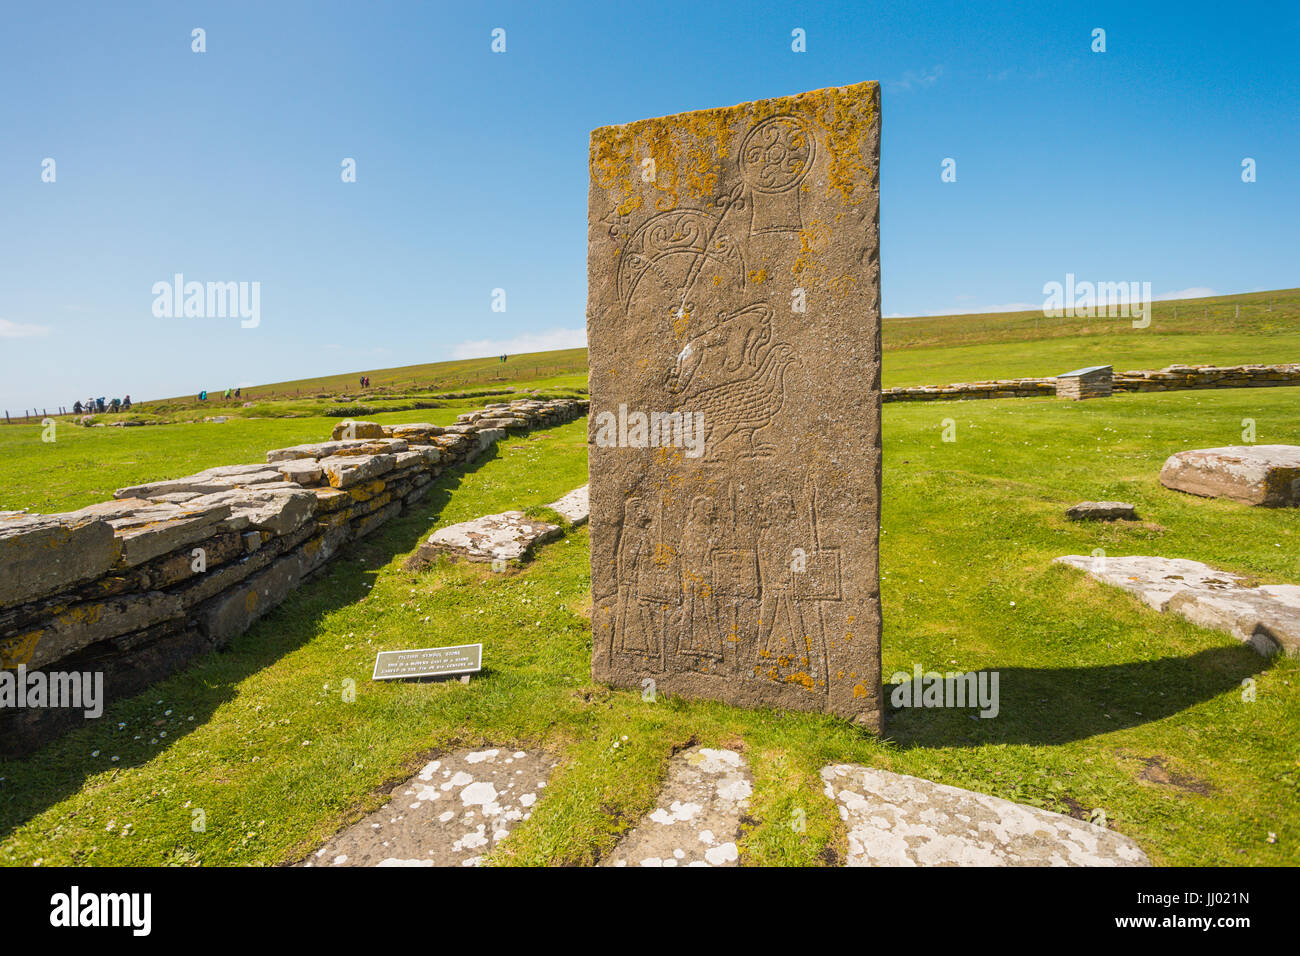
(777, 154)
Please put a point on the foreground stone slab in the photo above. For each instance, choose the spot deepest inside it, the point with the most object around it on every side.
(1101, 511)
(1267, 617)
(897, 820)
(574, 507)
(1253, 474)
(509, 536)
(697, 818)
(734, 439)
(452, 813)
(43, 554)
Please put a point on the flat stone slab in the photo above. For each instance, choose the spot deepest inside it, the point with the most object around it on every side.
(42, 554)
(573, 507)
(1101, 511)
(1254, 474)
(733, 322)
(696, 821)
(452, 813)
(1266, 617)
(897, 820)
(509, 536)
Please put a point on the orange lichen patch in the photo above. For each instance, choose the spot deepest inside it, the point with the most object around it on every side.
(859, 691)
(687, 150)
(813, 241)
(664, 555)
(846, 115)
(757, 275)
(19, 650)
(804, 680)
(628, 205)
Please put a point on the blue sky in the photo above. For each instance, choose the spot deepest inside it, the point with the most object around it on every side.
(472, 172)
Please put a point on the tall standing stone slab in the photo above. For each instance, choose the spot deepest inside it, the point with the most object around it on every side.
(734, 339)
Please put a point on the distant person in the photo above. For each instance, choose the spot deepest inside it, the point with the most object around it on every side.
(203, 395)
(227, 393)
(115, 405)
(76, 408)
(99, 404)
(126, 402)
(237, 391)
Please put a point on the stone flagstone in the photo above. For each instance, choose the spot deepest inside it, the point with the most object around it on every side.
(1266, 617)
(454, 812)
(897, 820)
(509, 536)
(573, 507)
(734, 439)
(1254, 474)
(696, 821)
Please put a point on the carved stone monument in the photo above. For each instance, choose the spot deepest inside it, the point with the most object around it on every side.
(734, 334)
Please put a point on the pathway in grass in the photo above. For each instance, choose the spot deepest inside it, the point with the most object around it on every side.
(697, 821)
(452, 813)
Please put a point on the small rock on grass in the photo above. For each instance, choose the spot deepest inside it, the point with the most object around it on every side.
(1102, 511)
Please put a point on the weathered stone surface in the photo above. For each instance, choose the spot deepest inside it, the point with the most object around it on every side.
(414, 432)
(195, 484)
(897, 820)
(302, 471)
(452, 813)
(351, 430)
(510, 536)
(148, 533)
(1101, 511)
(235, 471)
(738, 290)
(1096, 381)
(354, 470)
(574, 507)
(234, 611)
(78, 626)
(327, 449)
(275, 508)
(1267, 618)
(1253, 474)
(696, 820)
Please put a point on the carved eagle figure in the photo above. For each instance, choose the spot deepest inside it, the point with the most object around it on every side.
(735, 375)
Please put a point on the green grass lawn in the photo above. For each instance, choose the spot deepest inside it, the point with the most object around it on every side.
(1105, 704)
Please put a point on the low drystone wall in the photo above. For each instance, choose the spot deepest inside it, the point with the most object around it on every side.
(1177, 377)
(135, 587)
(1173, 378)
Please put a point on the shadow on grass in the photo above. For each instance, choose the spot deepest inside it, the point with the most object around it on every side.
(29, 785)
(1041, 706)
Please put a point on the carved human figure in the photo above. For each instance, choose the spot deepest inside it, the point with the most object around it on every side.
(699, 632)
(782, 633)
(634, 630)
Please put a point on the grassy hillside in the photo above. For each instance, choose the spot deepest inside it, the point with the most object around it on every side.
(921, 350)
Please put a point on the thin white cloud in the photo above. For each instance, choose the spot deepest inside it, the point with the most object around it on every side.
(9, 329)
(524, 342)
(916, 80)
(1195, 292)
(21, 330)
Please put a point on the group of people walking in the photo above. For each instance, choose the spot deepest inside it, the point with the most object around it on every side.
(93, 406)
